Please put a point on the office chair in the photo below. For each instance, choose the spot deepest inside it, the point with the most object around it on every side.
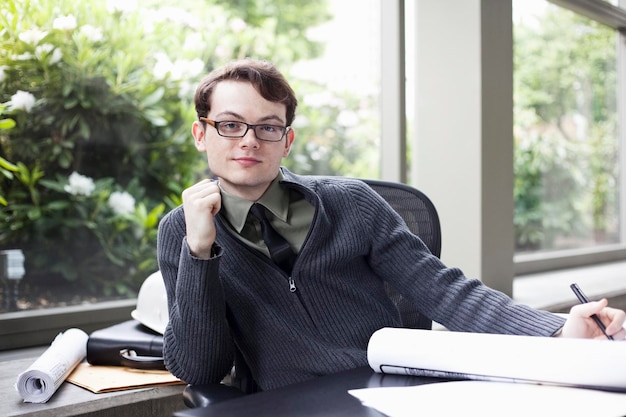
(420, 215)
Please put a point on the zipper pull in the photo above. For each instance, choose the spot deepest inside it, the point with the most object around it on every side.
(292, 285)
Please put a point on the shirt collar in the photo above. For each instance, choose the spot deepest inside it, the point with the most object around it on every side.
(275, 199)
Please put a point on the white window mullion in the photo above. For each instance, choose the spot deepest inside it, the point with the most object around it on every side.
(621, 114)
(392, 94)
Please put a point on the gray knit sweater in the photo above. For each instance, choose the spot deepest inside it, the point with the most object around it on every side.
(356, 241)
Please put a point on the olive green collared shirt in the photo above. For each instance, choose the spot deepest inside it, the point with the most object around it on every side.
(289, 214)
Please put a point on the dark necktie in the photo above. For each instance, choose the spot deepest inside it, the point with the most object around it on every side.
(279, 248)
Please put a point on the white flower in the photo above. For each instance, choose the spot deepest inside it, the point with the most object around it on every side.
(3, 74)
(220, 51)
(42, 51)
(64, 23)
(56, 56)
(22, 100)
(92, 33)
(186, 90)
(148, 27)
(184, 69)
(237, 25)
(348, 118)
(192, 41)
(32, 36)
(162, 67)
(79, 185)
(195, 67)
(23, 57)
(180, 70)
(301, 121)
(121, 202)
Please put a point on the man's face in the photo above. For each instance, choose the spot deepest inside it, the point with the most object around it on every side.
(245, 166)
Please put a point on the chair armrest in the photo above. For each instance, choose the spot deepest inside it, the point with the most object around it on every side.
(207, 394)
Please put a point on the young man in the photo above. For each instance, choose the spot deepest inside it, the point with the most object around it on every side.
(225, 292)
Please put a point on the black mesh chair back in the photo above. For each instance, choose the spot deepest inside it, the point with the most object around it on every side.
(417, 210)
(421, 217)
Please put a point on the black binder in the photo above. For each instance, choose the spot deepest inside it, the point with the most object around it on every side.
(129, 343)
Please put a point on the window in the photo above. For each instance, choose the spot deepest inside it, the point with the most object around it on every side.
(568, 187)
(95, 142)
(566, 130)
(349, 93)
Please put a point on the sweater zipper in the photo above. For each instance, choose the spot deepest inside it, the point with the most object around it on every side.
(293, 290)
(304, 191)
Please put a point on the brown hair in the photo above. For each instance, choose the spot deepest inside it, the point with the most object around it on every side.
(263, 75)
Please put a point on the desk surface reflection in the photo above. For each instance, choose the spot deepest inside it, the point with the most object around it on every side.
(324, 396)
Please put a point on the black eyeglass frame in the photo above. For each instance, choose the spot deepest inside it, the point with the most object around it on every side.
(216, 124)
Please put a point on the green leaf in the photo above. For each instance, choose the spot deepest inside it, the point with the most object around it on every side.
(153, 218)
(70, 103)
(153, 98)
(7, 165)
(58, 205)
(34, 213)
(6, 124)
(85, 129)
(53, 185)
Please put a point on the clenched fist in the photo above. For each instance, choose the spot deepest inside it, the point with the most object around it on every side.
(201, 202)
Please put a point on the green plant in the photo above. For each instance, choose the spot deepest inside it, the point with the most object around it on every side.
(6, 168)
(84, 228)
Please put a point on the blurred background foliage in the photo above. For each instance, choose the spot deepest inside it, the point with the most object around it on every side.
(566, 140)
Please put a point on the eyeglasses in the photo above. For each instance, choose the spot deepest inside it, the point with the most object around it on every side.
(237, 130)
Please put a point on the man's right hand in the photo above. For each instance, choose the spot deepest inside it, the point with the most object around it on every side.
(201, 202)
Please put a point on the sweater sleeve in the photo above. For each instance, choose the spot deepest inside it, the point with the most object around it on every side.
(197, 343)
(441, 293)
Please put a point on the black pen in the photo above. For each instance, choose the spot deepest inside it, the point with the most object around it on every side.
(583, 299)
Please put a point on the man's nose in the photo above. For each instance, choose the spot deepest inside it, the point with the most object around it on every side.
(249, 139)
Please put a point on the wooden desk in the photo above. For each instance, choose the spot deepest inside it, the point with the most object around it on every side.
(71, 400)
(325, 396)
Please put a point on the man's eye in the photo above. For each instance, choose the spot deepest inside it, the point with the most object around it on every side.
(231, 125)
(269, 128)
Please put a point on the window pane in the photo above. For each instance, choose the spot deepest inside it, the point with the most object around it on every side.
(339, 119)
(566, 142)
(96, 132)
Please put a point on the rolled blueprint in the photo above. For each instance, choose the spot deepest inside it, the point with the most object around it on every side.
(41, 380)
(565, 361)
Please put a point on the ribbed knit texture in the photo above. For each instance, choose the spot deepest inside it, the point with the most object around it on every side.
(356, 241)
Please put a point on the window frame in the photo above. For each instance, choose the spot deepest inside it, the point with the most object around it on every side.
(393, 161)
(614, 17)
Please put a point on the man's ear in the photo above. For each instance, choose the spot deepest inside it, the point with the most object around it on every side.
(291, 135)
(197, 130)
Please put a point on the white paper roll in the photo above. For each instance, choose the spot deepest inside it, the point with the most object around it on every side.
(41, 380)
(499, 357)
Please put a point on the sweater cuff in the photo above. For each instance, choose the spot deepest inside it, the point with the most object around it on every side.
(216, 251)
(558, 332)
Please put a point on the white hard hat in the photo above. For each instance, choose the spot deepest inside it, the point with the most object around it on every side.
(151, 308)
